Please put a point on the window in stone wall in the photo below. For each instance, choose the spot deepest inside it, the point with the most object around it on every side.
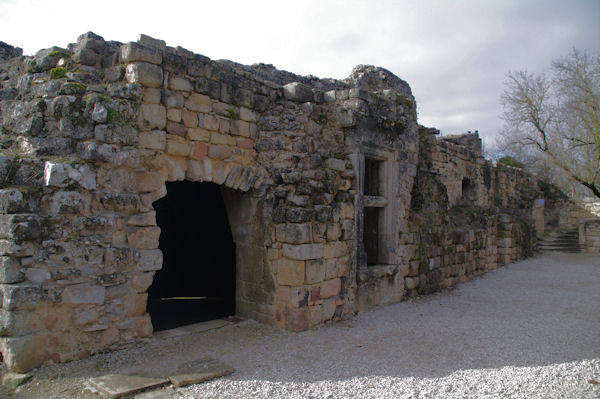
(374, 211)
(468, 190)
(373, 175)
(371, 235)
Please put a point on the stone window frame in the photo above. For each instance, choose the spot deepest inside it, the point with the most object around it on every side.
(388, 175)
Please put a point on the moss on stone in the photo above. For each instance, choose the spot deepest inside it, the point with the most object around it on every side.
(58, 73)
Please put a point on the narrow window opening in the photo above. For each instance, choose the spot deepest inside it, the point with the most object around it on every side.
(468, 189)
(371, 235)
(373, 185)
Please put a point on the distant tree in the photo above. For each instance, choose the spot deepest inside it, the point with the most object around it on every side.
(558, 116)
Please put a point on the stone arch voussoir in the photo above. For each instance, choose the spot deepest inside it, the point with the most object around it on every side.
(229, 174)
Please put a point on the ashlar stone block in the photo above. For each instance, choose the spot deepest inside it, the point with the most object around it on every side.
(294, 233)
(290, 272)
(151, 116)
(303, 251)
(135, 52)
(143, 237)
(331, 288)
(146, 74)
(150, 259)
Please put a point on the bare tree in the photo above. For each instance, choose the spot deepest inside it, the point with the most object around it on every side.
(558, 116)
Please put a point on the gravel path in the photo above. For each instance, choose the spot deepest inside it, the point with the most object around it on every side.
(528, 330)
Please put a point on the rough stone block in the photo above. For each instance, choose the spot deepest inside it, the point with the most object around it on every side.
(297, 319)
(151, 116)
(199, 151)
(86, 316)
(151, 95)
(153, 140)
(303, 251)
(297, 91)
(176, 147)
(222, 139)
(143, 237)
(334, 231)
(135, 52)
(328, 308)
(180, 84)
(336, 164)
(315, 271)
(290, 272)
(331, 288)
(25, 353)
(173, 115)
(198, 134)
(135, 305)
(190, 119)
(20, 296)
(294, 233)
(10, 270)
(334, 249)
(147, 75)
(240, 128)
(141, 282)
(148, 181)
(411, 283)
(198, 103)
(219, 151)
(150, 260)
(244, 143)
(176, 129)
(83, 293)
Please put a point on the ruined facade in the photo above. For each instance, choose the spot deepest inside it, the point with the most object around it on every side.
(336, 200)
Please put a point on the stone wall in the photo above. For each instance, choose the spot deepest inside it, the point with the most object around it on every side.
(589, 235)
(337, 202)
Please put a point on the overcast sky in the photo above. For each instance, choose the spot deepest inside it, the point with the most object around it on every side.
(454, 54)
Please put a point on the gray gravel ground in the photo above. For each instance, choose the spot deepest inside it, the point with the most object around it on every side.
(528, 330)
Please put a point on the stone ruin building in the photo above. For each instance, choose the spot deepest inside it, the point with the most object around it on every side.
(140, 181)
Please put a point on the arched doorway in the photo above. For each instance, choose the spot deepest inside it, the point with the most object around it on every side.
(197, 281)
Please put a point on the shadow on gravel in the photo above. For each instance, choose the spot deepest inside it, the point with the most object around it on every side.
(537, 312)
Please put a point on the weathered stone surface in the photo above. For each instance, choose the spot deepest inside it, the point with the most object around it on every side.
(10, 270)
(154, 140)
(303, 251)
(151, 116)
(294, 233)
(13, 380)
(150, 259)
(131, 52)
(83, 293)
(198, 103)
(143, 237)
(330, 288)
(297, 91)
(116, 386)
(290, 272)
(145, 74)
(199, 371)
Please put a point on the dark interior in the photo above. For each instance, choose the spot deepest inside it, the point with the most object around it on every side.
(197, 280)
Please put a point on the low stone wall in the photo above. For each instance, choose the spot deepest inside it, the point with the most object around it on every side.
(589, 236)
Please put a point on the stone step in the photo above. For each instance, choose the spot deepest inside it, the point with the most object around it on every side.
(563, 241)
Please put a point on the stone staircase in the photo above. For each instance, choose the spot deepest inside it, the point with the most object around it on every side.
(562, 240)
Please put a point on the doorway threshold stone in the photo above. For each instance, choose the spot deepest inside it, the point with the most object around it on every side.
(199, 371)
(192, 328)
(116, 385)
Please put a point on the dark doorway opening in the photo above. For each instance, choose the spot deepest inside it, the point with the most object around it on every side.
(197, 280)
